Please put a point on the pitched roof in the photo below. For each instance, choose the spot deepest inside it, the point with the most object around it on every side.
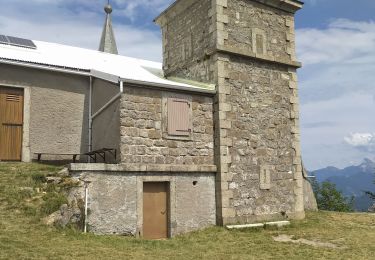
(74, 58)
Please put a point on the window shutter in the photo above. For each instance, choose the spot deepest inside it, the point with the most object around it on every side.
(178, 117)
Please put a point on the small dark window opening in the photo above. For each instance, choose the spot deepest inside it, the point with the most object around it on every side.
(195, 183)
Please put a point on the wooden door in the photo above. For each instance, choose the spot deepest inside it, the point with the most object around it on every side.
(155, 210)
(11, 123)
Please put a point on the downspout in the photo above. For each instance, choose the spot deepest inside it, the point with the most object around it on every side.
(86, 206)
(90, 117)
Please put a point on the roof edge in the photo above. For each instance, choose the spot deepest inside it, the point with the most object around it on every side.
(168, 86)
(202, 85)
(106, 76)
(48, 67)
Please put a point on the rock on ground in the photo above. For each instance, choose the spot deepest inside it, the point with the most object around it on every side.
(290, 239)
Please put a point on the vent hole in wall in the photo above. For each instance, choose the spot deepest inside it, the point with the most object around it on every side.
(195, 183)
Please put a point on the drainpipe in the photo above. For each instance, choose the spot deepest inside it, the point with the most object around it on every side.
(86, 204)
(90, 118)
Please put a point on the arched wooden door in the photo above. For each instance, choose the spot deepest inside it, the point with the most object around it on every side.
(11, 123)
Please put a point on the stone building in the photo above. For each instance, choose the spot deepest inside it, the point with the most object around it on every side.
(246, 48)
(209, 137)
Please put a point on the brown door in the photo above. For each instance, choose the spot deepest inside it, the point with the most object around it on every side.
(155, 210)
(11, 123)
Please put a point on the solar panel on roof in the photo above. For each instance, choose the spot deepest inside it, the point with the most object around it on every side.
(3, 39)
(15, 41)
(21, 42)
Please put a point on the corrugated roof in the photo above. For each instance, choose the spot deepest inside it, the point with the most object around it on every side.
(63, 56)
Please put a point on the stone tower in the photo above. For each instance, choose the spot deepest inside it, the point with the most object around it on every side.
(246, 48)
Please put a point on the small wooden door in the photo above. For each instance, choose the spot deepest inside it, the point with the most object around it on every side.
(11, 123)
(155, 210)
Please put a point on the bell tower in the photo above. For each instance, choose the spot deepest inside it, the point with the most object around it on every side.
(246, 48)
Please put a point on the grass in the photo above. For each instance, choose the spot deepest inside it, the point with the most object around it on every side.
(22, 236)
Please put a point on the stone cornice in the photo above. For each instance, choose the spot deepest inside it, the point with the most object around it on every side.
(290, 6)
(164, 168)
(249, 54)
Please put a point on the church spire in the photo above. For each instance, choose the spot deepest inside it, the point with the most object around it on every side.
(108, 42)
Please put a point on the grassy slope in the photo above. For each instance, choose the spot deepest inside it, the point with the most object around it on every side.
(22, 236)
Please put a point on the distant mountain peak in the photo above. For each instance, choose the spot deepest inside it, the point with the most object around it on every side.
(332, 168)
(367, 165)
(351, 181)
(368, 161)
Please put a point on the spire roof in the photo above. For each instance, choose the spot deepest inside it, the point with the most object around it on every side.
(108, 41)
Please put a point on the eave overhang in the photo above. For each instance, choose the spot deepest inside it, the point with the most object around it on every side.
(112, 78)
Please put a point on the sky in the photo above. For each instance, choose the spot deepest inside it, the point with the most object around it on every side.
(335, 43)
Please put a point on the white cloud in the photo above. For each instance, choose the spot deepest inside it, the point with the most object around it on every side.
(343, 41)
(131, 9)
(362, 141)
(324, 124)
(337, 87)
(82, 29)
(338, 60)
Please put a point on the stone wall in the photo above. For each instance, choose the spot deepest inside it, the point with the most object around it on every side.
(260, 130)
(115, 200)
(309, 198)
(59, 118)
(55, 110)
(187, 39)
(112, 203)
(142, 139)
(257, 114)
(195, 203)
(247, 18)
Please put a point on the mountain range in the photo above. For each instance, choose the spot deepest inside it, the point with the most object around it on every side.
(351, 181)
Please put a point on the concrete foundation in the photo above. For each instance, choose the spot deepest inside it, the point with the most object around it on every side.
(115, 201)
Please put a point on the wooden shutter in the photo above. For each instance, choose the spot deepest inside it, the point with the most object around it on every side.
(179, 117)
